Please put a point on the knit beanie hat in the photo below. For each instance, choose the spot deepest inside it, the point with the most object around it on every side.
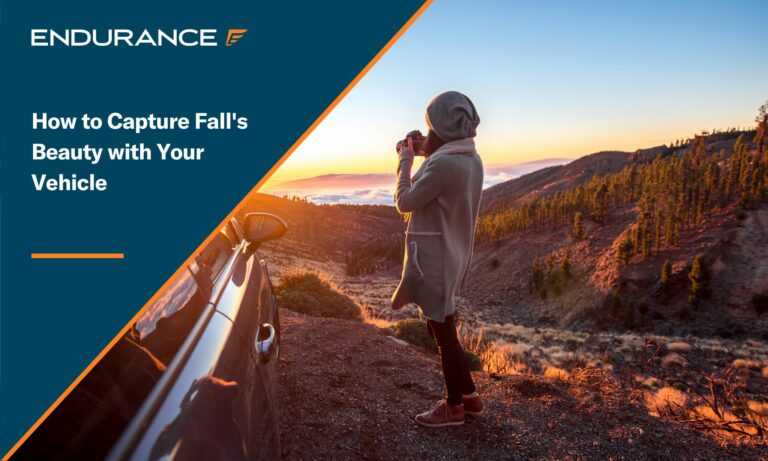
(452, 116)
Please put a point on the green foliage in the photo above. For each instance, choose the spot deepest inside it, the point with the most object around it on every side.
(365, 259)
(307, 293)
(414, 331)
(474, 363)
(555, 278)
(666, 273)
(699, 278)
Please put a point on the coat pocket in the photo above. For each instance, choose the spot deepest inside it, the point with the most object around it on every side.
(426, 260)
(422, 279)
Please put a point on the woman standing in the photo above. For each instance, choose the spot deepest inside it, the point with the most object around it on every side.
(442, 200)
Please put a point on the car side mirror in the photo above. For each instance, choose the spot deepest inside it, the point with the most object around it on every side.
(260, 227)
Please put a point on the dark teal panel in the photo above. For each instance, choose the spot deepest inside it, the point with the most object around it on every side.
(289, 66)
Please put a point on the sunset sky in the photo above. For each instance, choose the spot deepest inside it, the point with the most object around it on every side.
(553, 79)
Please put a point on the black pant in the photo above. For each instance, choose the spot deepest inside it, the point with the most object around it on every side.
(458, 381)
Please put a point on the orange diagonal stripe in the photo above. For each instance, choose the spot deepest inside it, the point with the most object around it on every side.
(78, 255)
(277, 165)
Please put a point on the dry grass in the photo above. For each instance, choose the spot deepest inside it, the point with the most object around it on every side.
(498, 358)
(666, 401)
(555, 373)
(678, 346)
(673, 359)
(716, 401)
(374, 317)
(747, 363)
(598, 379)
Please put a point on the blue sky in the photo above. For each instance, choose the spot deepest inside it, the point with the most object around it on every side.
(554, 79)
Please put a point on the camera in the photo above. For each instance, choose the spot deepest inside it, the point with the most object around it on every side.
(418, 140)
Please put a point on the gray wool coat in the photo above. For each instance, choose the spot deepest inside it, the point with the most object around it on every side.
(443, 199)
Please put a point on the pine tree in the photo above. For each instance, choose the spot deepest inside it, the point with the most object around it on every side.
(578, 225)
(699, 278)
(624, 251)
(565, 266)
(669, 229)
(666, 276)
(537, 276)
(671, 193)
(550, 262)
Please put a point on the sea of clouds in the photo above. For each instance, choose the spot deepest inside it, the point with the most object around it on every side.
(379, 188)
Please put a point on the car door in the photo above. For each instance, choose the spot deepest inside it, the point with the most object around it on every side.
(248, 301)
(93, 417)
(223, 403)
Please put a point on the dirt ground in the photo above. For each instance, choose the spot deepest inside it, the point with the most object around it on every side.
(349, 391)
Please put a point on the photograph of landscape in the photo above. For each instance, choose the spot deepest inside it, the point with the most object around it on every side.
(618, 296)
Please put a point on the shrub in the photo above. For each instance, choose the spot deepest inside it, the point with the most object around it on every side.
(414, 331)
(365, 259)
(699, 278)
(308, 293)
(473, 361)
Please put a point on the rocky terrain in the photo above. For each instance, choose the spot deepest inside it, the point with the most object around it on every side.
(349, 390)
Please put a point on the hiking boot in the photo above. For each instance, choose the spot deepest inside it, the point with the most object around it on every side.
(473, 405)
(444, 414)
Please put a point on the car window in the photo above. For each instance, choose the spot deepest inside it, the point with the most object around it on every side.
(214, 256)
(93, 416)
(237, 228)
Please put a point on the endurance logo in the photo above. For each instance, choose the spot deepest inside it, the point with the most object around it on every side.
(131, 38)
(234, 35)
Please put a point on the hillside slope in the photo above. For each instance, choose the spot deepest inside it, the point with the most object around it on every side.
(349, 391)
(321, 232)
(555, 178)
(703, 198)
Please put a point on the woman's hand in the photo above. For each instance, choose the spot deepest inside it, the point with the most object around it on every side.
(405, 150)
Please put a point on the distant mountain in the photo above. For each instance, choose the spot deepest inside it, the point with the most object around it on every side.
(377, 188)
(559, 177)
(337, 181)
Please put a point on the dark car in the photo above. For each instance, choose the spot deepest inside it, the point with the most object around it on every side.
(195, 376)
